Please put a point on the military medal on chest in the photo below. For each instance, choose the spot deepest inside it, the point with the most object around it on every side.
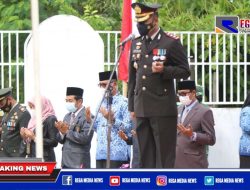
(159, 55)
(11, 123)
(137, 54)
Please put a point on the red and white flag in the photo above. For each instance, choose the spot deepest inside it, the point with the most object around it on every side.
(126, 30)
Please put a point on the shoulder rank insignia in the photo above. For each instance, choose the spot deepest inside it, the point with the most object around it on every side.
(137, 37)
(22, 108)
(138, 43)
(172, 35)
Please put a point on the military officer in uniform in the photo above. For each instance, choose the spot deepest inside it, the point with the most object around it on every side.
(15, 117)
(156, 59)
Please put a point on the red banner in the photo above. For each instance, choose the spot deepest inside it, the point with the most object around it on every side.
(126, 30)
(26, 168)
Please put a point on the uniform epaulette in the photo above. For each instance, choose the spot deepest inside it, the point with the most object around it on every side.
(22, 108)
(171, 35)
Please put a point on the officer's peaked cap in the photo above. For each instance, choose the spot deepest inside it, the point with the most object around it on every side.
(143, 11)
(4, 92)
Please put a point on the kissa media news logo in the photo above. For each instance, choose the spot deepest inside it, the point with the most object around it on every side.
(231, 24)
(67, 179)
(209, 180)
(226, 24)
(161, 180)
(114, 180)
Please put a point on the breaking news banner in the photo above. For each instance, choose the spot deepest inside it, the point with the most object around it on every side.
(28, 171)
(44, 175)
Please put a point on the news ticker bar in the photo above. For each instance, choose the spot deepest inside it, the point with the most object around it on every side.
(155, 179)
(39, 173)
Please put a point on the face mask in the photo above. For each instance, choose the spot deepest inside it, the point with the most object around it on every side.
(144, 28)
(7, 107)
(70, 106)
(185, 100)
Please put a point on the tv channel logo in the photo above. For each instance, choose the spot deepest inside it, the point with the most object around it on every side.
(114, 180)
(161, 180)
(226, 24)
(67, 179)
(209, 180)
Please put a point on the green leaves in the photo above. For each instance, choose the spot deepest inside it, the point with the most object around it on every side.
(14, 15)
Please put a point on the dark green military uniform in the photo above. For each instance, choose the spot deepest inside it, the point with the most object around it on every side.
(152, 95)
(10, 127)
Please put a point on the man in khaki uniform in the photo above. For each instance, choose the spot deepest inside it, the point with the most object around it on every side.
(15, 117)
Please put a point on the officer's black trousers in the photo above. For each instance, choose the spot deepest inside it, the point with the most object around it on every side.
(157, 141)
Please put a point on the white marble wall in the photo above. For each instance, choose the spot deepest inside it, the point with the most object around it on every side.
(225, 152)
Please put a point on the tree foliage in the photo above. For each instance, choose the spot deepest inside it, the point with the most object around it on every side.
(175, 15)
(102, 15)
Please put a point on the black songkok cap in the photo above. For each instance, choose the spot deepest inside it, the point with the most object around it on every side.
(106, 75)
(186, 85)
(74, 91)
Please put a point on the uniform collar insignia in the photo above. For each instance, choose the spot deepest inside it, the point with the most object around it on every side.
(159, 37)
(137, 9)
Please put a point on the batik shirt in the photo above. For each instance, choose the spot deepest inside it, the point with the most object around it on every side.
(245, 127)
(118, 147)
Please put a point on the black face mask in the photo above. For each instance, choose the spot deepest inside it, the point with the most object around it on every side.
(144, 28)
(7, 107)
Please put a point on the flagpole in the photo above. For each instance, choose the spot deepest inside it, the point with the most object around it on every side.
(124, 88)
(35, 39)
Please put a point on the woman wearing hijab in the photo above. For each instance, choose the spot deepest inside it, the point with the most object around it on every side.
(49, 131)
(245, 137)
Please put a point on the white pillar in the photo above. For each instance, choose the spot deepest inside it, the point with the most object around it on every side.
(35, 34)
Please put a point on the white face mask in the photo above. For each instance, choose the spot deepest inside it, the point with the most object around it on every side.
(70, 106)
(185, 100)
